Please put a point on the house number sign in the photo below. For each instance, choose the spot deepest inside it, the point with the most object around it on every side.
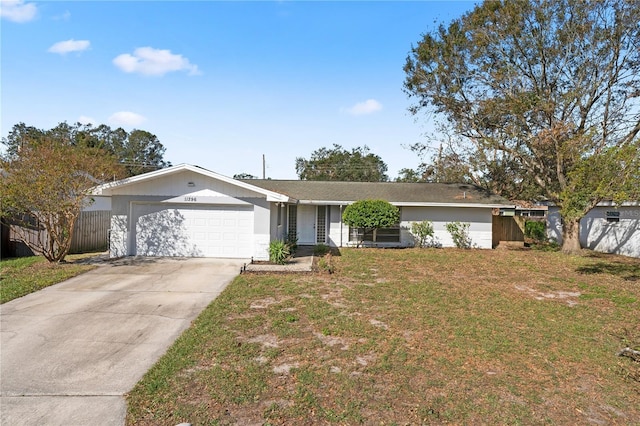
(191, 199)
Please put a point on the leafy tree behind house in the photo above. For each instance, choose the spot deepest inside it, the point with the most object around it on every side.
(338, 164)
(371, 215)
(137, 151)
(546, 93)
(44, 187)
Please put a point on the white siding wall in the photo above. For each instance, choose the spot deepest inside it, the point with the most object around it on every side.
(261, 229)
(597, 234)
(338, 235)
(98, 203)
(479, 219)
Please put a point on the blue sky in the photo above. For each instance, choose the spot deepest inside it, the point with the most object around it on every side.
(222, 83)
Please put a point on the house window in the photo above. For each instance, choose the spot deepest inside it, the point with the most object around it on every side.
(613, 216)
(380, 235)
(321, 225)
(292, 230)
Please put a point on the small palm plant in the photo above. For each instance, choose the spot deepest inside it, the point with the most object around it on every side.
(279, 252)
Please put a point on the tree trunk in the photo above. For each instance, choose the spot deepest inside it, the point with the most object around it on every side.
(571, 236)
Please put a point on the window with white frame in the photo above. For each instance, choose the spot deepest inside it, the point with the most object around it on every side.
(380, 235)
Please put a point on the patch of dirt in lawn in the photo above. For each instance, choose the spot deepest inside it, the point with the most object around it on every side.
(568, 297)
(264, 303)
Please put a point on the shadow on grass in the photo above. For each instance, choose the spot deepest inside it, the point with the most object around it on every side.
(629, 271)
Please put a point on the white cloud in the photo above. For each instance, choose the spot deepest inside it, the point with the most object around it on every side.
(150, 61)
(64, 47)
(126, 118)
(18, 10)
(83, 119)
(363, 108)
(63, 17)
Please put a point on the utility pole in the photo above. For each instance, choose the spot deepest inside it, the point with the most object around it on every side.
(439, 164)
(264, 167)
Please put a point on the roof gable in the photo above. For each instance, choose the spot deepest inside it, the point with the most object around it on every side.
(184, 179)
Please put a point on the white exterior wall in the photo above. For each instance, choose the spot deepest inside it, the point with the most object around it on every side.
(338, 233)
(261, 229)
(480, 220)
(597, 234)
(98, 203)
(278, 230)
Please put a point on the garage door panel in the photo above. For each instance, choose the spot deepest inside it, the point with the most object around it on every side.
(197, 231)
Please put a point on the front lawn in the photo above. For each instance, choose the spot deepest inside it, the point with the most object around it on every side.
(410, 337)
(23, 275)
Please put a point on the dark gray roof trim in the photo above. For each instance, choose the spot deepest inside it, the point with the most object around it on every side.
(331, 192)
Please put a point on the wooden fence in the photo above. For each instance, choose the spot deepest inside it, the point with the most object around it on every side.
(91, 235)
(506, 228)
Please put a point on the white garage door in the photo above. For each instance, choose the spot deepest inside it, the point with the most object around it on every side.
(193, 231)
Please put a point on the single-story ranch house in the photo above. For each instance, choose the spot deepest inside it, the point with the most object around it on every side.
(186, 210)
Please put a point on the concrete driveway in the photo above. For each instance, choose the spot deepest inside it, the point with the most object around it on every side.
(69, 352)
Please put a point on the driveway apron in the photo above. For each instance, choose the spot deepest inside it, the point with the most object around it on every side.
(70, 352)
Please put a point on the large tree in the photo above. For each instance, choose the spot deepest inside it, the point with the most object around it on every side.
(357, 165)
(137, 151)
(551, 86)
(44, 186)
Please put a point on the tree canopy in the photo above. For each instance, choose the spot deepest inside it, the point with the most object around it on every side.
(543, 92)
(137, 151)
(338, 164)
(44, 186)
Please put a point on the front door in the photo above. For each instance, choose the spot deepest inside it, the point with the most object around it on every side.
(306, 224)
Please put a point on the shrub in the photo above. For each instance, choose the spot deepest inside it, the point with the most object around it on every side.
(279, 252)
(321, 250)
(536, 230)
(423, 233)
(460, 234)
(371, 215)
(292, 243)
(325, 264)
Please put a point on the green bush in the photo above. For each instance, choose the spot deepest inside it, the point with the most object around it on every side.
(460, 234)
(321, 250)
(371, 215)
(536, 230)
(279, 252)
(423, 233)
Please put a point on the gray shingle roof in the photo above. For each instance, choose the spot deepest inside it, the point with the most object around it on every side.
(394, 192)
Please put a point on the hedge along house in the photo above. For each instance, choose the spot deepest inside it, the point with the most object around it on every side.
(186, 210)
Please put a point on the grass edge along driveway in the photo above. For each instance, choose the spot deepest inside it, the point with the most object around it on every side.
(23, 275)
(410, 336)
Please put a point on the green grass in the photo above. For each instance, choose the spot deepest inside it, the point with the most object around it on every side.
(410, 337)
(24, 275)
